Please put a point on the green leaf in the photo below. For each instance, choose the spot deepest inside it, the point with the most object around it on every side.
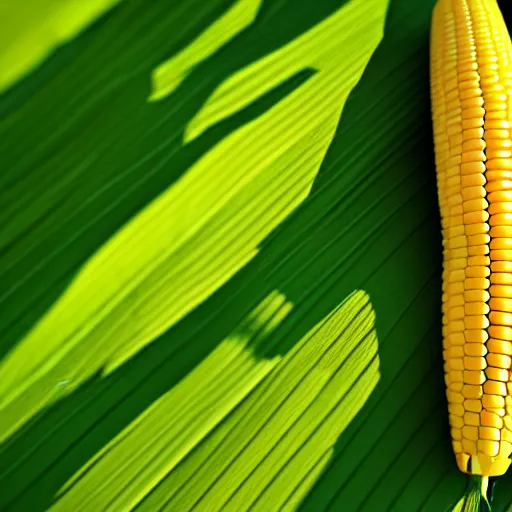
(33, 29)
(220, 263)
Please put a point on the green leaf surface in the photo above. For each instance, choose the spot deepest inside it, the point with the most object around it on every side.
(220, 261)
(33, 29)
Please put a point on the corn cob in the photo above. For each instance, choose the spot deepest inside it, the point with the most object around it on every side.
(471, 90)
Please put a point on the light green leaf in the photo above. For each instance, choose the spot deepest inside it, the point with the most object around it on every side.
(171, 73)
(32, 29)
(159, 266)
(309, 396)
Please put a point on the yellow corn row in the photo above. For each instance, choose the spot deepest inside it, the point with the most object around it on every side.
(471, 87)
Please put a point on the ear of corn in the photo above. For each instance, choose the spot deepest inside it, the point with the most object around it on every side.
(471, 80)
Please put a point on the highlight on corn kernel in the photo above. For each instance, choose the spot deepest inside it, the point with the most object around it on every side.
(255, 255)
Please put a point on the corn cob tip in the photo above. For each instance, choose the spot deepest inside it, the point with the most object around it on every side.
(478, 496)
